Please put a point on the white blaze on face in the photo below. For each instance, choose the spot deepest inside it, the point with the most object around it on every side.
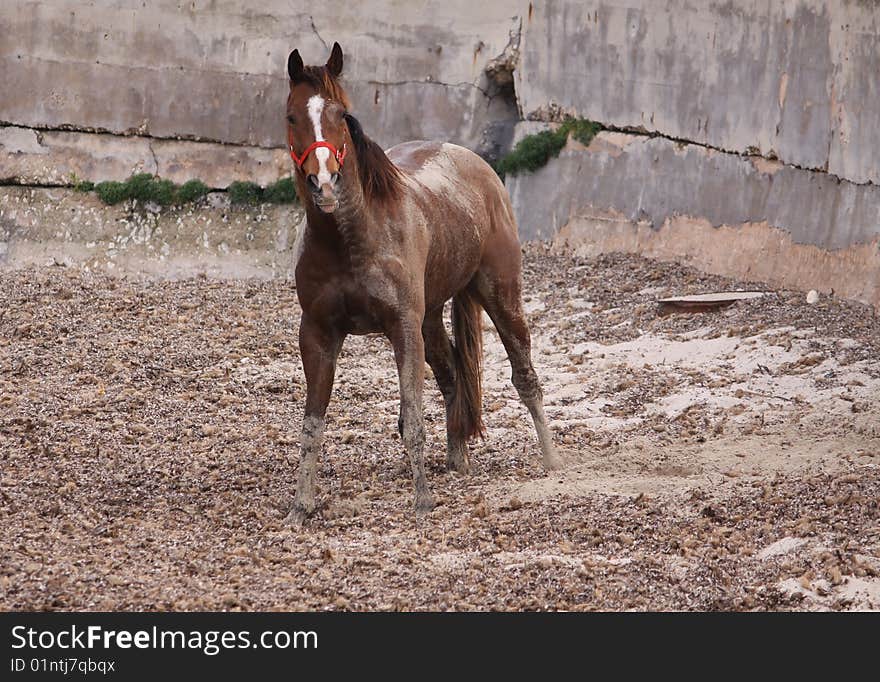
(316, 107)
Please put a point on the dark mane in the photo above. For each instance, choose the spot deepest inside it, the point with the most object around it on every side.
(380, 178)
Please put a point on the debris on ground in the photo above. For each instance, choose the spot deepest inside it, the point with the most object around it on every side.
(700, 303)
(149, 438)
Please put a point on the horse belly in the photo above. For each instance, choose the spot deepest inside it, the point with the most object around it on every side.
(449, 269)
(367, 308)
(362, 325)
(360, 319)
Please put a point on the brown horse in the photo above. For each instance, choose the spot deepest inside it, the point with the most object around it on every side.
(388, 239)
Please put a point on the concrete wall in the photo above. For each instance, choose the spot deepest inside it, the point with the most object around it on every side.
(217, 69)
(793, 227)
(793, 79)
(762, 115)
(57, 226)
(759, 120)
(55, 157)
(648, 179)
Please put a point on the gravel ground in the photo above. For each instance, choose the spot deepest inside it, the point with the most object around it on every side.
(726, 460)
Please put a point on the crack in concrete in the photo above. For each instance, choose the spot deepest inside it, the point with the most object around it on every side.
(155, 159)
(630, 130)
(314, 28)
(73, 128)
(15, 182)
(651, 134)
(501, 67)
(433, 82)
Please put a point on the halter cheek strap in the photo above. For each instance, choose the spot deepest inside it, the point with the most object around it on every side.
(300, 160)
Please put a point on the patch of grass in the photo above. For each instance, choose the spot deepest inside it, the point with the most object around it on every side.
(581, 129)
(192, 190)
(250, 193)
(247, 193)
(80, 185)
(281, 192)
(83, 186)
(145, 187)
(534, 151)
(112, 192)
(140, 187)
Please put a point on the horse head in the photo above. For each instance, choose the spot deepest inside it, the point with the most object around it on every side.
(317, 135)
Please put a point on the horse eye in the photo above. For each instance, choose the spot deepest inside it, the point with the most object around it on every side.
(291, 120)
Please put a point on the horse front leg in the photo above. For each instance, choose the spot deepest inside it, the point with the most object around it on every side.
(409, 353)
(319, 349)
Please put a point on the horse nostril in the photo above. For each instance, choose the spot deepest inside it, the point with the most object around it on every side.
(313, 181)
(334, 179)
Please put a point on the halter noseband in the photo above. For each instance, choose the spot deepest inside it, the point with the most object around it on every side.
(300, 160)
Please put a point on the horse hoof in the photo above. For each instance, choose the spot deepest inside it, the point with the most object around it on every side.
(553, 463)
(424, 506)
(297, 517)
(460, 466)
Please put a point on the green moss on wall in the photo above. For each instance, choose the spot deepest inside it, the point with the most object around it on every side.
(145, 187)
(534, 151)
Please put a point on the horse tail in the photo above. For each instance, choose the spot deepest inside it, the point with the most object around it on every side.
(465, 414)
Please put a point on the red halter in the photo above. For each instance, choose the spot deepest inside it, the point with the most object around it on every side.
(300, 160)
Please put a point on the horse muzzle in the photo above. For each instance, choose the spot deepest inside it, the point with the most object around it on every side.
(325, 195)
(327, 206)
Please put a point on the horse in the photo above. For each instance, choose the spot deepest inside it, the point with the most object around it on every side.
(388, 240)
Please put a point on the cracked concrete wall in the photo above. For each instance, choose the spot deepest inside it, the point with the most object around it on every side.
(765, 133)
(58, 226)
(794, 79)
(54, 157)
(650, 178)
(216, 69)
(666, 198)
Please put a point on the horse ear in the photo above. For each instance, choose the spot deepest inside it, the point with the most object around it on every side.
(295, 66)
(334, 64)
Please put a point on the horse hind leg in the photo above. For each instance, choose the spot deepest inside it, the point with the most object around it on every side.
(439, 354)
(501, 298)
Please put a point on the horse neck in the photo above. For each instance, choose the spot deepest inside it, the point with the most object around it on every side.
(346, 231)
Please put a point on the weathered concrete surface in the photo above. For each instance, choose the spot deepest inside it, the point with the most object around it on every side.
(645, 182)
(794, 79)
(652, 178)
(35, 157)
(855, 94)
(58, 226)
(753, 251)
(217, 70)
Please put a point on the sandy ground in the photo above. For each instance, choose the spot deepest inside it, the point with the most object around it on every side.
(725, 460)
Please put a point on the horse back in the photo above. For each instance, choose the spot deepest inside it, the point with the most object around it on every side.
(465, 206)
(442, 167)
(451, 180)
